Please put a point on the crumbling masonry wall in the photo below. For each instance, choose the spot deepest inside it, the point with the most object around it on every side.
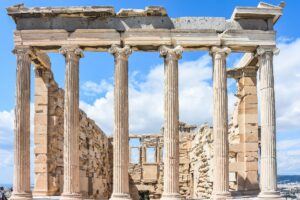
(146, 172)
(95, 148)
(196, 151)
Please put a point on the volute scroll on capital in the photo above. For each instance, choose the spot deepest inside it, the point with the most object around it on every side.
(120, 52)
(68, 50)
(18, 50)
(261, 50)
(168, 52)
(219, 52)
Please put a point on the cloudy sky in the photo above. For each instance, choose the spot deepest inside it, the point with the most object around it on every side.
(146, 80)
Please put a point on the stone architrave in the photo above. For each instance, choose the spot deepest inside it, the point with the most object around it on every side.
(171, 122)
(220, 124)
(121, 126)
(268, 167)
(21, 180)
(71, 189)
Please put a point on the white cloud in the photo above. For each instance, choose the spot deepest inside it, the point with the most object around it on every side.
(288, 144)
(6, 126)
(287, 88)
(6, 143)
(7, 119)
(6, 158)
(146, 98)
(288, 154)
(90, 88)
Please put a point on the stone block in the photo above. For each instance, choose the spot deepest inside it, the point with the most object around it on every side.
(84, 184)
(40, 168)
(248, 81)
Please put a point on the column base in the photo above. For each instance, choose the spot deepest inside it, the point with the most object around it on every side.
(21, 196)
(120, 196)
(269, 195)
(171, 196)
(70, 196)
(221, 195)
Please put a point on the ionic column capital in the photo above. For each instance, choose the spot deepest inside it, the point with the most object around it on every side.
(71, 50)
(220, 52)
(171, 53)
(261, 50)
(22, 50)
(120, 52)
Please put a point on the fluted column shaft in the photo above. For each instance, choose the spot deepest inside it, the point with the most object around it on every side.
(121, 125)
(268, 169)
(71, 189)
(21, 181)
(220, 124)
(171, 120)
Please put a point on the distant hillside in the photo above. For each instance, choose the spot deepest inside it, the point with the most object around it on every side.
(283, 179)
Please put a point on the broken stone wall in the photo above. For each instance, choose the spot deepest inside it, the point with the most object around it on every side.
(94, 146)
(243, 144)
(201, 161)
(147, 173)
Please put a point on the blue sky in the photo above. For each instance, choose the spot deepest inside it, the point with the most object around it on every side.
(145, 73)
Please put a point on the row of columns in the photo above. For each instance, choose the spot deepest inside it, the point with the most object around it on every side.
(171, 55)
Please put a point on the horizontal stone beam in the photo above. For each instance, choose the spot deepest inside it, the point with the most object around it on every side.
(144, 40)
(262, 11)
(152, 17)
(41, 60)
(247, 71)
(247, 66)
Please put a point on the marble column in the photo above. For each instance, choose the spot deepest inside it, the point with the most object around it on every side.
(121, 126)
(71, 189)
(268, 167)
(21, 180)
(171, 120)
(220, 124)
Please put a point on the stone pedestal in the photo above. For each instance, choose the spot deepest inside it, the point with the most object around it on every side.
(268, 168)
(220, 124)
(171, 120)
(120, 146)
(71, 189)
(21, 181)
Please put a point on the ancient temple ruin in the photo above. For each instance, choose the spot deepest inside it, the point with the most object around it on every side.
(75, 159)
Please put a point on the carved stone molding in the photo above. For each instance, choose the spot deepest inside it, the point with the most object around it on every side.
(237, 73)
(22, 50)
(220, 52)
(171, 53)
(261, 50)
(71, 50)
(120, 52)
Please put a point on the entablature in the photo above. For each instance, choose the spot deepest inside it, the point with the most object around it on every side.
(96, 28)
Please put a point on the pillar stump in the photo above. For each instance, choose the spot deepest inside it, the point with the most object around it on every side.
(21, 180)
(171, 120)
(121, 126)
(71, 189)
(220, 124)
(268, 167)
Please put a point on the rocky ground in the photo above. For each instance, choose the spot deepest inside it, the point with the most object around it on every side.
(7, 193)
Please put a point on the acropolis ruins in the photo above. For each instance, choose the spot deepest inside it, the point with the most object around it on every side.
(74, 159)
